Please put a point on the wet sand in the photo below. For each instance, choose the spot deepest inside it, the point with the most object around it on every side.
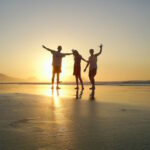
(38, 118)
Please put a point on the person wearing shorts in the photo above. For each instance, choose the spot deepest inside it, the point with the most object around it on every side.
(92, 63)
(56, 63)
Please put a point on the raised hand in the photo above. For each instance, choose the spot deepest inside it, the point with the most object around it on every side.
(43, 46)
(101, 46)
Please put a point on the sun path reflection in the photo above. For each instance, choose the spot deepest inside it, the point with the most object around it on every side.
(69, 93)
(55, 94)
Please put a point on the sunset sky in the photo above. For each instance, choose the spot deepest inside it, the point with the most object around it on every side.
(123, 26)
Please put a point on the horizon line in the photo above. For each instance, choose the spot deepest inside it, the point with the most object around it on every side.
(86, 83)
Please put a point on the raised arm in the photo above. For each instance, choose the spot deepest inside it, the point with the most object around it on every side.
(67, 54)
(101, 46)
(48, 49)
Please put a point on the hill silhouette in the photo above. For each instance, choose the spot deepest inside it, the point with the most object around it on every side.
(6, 78)
(33, 80)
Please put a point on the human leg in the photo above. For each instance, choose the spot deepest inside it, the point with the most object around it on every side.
(76, 82)
(53, 77)
(58, 81)
(81, 82)
(92, 74)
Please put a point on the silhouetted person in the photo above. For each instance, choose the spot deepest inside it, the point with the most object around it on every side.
(92, 63)
(57, 60)
(77, 67)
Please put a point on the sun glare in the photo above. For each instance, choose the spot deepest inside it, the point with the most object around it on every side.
(45, 71)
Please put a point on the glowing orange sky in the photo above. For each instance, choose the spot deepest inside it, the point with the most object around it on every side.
(122, 27)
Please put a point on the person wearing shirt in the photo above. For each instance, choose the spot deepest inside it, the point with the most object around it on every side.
(92, 63)
(56, 63)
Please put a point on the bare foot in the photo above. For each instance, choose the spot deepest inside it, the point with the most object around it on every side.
(92, 88)
(77, 88)
(58, 87)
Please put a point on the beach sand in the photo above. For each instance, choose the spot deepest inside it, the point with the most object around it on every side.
(35, 117)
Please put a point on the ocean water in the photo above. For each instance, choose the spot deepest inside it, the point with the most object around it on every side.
(109, 118)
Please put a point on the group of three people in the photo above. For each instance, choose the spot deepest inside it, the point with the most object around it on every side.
(92, 63)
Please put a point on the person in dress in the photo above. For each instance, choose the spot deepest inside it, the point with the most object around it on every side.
(77, 68)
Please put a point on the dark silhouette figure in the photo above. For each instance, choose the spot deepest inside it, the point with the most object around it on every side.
(57, 60)
(77, 67)
(92, 63)
(79, 95)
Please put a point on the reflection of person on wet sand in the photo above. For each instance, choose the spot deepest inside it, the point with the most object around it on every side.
(77, 67)
(92, 63)
(92, 95)
(79, 95)
(57, 60)
(57, 92)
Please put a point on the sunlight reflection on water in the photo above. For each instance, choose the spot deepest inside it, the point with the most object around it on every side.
(121, 94)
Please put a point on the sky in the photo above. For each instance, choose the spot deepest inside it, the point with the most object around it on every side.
(122, 26)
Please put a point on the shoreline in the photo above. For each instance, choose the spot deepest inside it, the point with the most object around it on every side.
(86, 83)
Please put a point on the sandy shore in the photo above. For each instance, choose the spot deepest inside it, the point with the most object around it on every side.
(39, 122)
